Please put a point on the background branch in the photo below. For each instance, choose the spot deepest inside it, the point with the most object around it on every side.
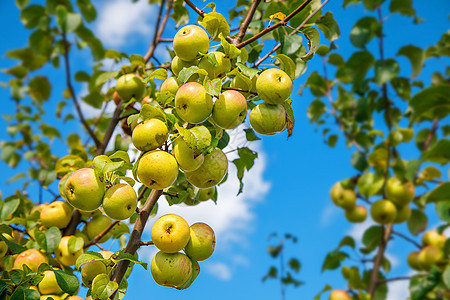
(246, 22)
(101, 234)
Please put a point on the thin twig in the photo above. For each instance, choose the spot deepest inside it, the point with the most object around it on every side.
(159, 28)
(200, 12)
(431, 134)
(110, 130)
(146, 243)
(101, 234)
(407, 239)
(246, 22)
(225, 88)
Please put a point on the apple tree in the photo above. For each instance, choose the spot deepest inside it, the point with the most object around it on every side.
(173, 118)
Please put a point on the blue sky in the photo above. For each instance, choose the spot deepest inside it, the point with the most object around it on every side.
(286, 191)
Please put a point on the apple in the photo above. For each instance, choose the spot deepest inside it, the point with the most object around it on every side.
(413, 260)
(63, 253)
(383, 211)
(120, 201)
(433, 238)
(403, 214)
(220, 70)
(357, 214)
(150, 134)
(430, 255)
(274, 86)
(345, 198)
(96, 225)
(57, 214)
(185, 155)
(90, 270)
(61, 184)
(130, 86)
(89, 214)
(211, 172)
(190, 41)
(339, 295)
(378, 159)
(206, 194)
(3, 248)
(116, 98)
(84, 190)
(170, 85)
(268, 118)
(170, 233)
(177, 64)
(398, 192)
(32, 258)
(202, 242)
(230, 109)
(171, 269)
(82, 235)
(195, 272)
(157, 169)
(49, 285)
(192, 103)
(239, 83)
(54, 297)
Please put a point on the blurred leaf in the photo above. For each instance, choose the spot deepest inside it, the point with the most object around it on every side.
(329, 26)
(372, 237)
(86, 257)
(369, 184)
(363, 31)
(441, 193)
(333, 260)
(419, 286)
(274, 251)
(386, 71)
(417, 222)
(9, 207)
(67, 21)
(273, 273)
(31, 15)
(87, 9)
(215, 24)
(438, 152)
(39, 88)
(294, 264)
(415, 56)
(403, 7)
(52, 237)
(443, 210)
(432, 102)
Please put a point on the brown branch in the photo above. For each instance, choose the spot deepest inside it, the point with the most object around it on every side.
(378, 259)
(275, 26)
(225, 88)
(146, 243)
(246, 22)
(200, 12)
(431, 134)
(110, 130)
(105, 231)
(135, 236)
(72, 92)
(277, 46)
(161, 40)
(159, 29)
(407, 239)
(100, 246)
(74, 221)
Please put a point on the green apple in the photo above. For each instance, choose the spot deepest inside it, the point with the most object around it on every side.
(378, 159)
(202, 242)
(339, 295)
(240, 83)
(195, 272)
(211, 172)
(177, 65)
(170, 85)
(57, 214)
(192, 103)
(430, 255)
(413, 260)
(49, 285)
(130, 86)
(171, 269)
(157, 169)
(63, 253)
(433, 238)
(120, 201)
(268, 118)
(206, 194)
(274, 86)
(357, 214)
(82, 235)
(84, 190)
(170, 233)
(32, 258)
(190, 41)
(403, 214)
(150, 134)
(345, 198)
(61, 185)
(185, 155)
(398, 192)
(383, 211)
(96, 225)
(216, 71)
(230, 109)
(90, 270)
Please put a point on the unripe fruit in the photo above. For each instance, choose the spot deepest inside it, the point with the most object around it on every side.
(206, 194)
(211, 172)
(383, 211)
(345, 198)
(61, 185)
(49, 285)
(150, 134)
(56, 214)
(32, 258)
(170, 233)
(220, 70)
(268, 118)
(192, 103)
(170, 85)
(177, 65)
(403, 214)
(430, 255)
(339, 295)
(64, 255)
(274, 86)
(357, 214)
(185, 156)
(157, 169)
(433, 238)
(201, 243)
(190, 41)
(90, 270)
(130, 86)
(120, 201)
(195, 272)
(413, 260)
(84, 190)
(96, 225)
(230, 109)
(398, 192)
(171, 269)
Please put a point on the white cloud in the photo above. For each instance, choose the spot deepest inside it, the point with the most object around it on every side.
(358, 229)
(328, 214)
(398, 290)
(121, 21)
(219, 270)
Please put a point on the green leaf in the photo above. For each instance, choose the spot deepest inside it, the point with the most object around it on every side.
(432, 102)
(67, 282)
(419, 286)
(151, 112)
(31, 294)
(86, 257)
(213, 87)
(333, 260)
(363, 31)
(102, 287)
(372, 237)
(359, 161)
(440, 193)
(67, 21)
(403, 7)
(347, 241)
(443, 210)
(132, 258)
(369, 184)
(9, 207)
(39, 88)
(313, 36)
(52, 237)
(31, 15)
(75, 244)
(294, 264)
(197, 138)
(327, 287)
(186, 73)
(87, 9)
(386, 71)
(315, 110)
(215, 24)
(250, 135)
(180, 14)
(94, 99)
(230, 50)
(249, 72)
(438, 152)
(446, 276)
(371, 5)
(21, 4)
(104, 77)
(355, 69)
(19, 294)
(329, 26)
(291, 44)
(13, 247)
(158, 74)
(417, 222)
(415, 56)
(273, 273)
(286, 64)
(402, 87)
(245, 161)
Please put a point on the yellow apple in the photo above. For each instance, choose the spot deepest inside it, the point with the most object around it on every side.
(190, 41)
(49, 285)
(433, 238)
(171, 269)
(57, 214)
(230, 109)
(90, 270)
(403, 214)
(157, 169)
(32, 258)
(192, 103)
(170, 85)
(430, 255)
(150, 134)
(211, 172)
(84, 190)
(274, 86)
(170, 233)
(63, 253)
(206, 194)
(268, 118)
(339, 295)
(177, 65)
(96, 225)
(398, 192)
(130, 86)
(357, 214)
(345, 198)
(120, 201)
(413, 260)
(383, 211)
(201, 243)
(220, 70)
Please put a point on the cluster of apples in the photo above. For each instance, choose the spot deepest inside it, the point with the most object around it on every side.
(171, 234)
(394, 209)
(432, 252)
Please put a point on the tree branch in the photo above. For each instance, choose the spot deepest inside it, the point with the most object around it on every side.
(146, 243)
(225, 88)
(430, 135)
(377, 263)
(101, 234)
(135, 237)
(275, 26)
(72, 92)
(200, 12)
(407, 238)
(110, 130)
(74, 221)
(246, 22)
(159, 29)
